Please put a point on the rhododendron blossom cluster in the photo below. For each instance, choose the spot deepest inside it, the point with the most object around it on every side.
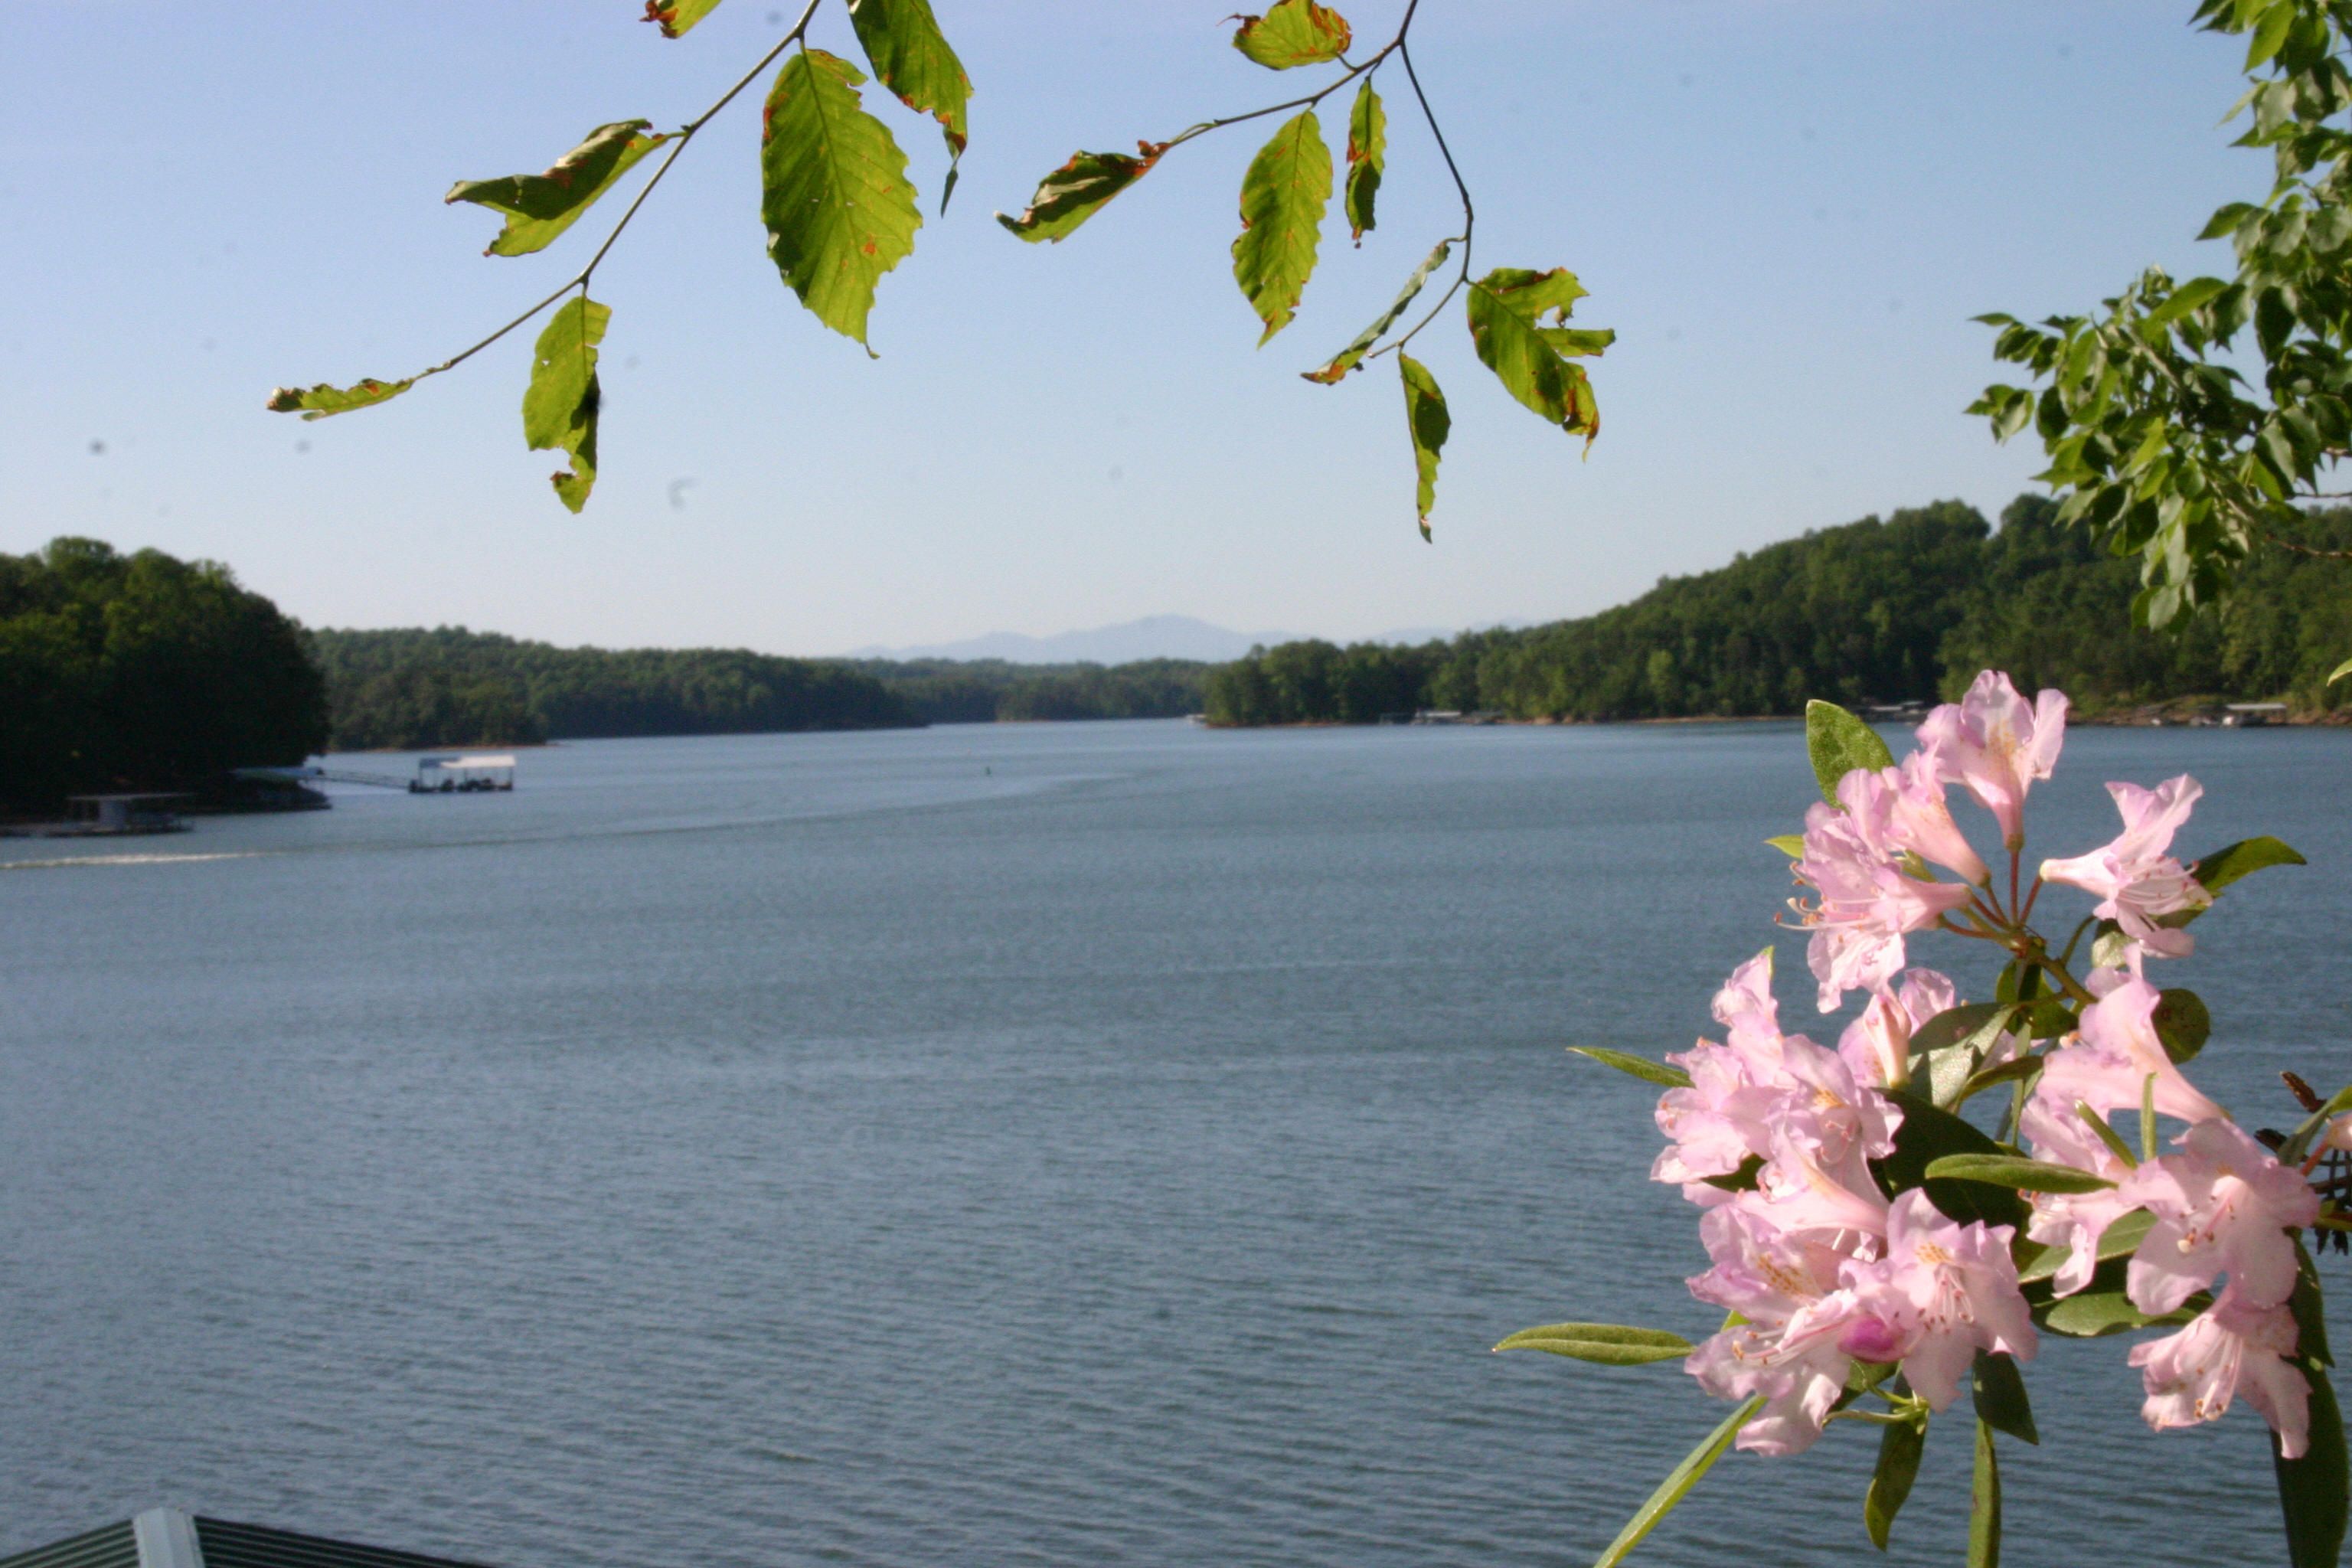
(1877, 1252)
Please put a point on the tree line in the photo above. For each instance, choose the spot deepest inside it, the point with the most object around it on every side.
(449, 686)
(141, 671)
(1905, 608)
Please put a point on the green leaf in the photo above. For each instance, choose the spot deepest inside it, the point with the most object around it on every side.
(2310, 1315)
(2183, 1023)
(2095, 1313)
(1744, 1179)
(1283, 193)
(1838, 743)
(1984, 1504)
(559, 407)
(1428, 423)
(2010, 1071)
(1367, 151)
(2223, 866)
(540, 206)
(2313, 1489)
(1608, 1344)
(911, 56)
(1351, 356)
(1077, 190)
(835, 196)
(318, 402)
(2339, 672)
(1926, 1135)
(2228, 219)
(1677, 1485)
(676, 16)
(1506, 310)
(1293, 33)
(2016, 1172)
(1642, 1068)
(1900, 1444)
(2187, 298)
(1953, 1025)
(2001, 1397)
(2298, 1143)
(1792, 845)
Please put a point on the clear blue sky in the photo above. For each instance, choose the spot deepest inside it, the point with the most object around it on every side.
(1787, 209)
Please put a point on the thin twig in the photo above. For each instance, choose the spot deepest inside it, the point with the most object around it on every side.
(1469, 214)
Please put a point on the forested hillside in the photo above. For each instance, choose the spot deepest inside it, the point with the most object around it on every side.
(1908, 608)
(450, 687)
(142, 672)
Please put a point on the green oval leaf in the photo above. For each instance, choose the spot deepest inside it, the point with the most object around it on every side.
(1900, 1444)
(1838, 742)
(1368, 151)
(1534, 361)
(2182, 1022)
(1792, 845)
(560, 406)
(1293, 33)
(538, 207)
(2015, 1171)
(1642, 1068)
(2223, 866)
(2000, 1395)
(839, 210)
(2096, 1313)
(1610, 1345)
(1284, 193)
(1351, 356)
(1928, 1133)
(1427, 421)
(1077, 190)
(1984, 1504)
(318, 402)
(2313, 1489)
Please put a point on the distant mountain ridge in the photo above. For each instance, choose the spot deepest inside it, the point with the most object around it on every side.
(1153, 637)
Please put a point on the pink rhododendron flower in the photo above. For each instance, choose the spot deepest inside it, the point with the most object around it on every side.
(2134, 878)
(1920, 820)
(2106, 1070)
(2224, 1204)
(2073, 1220)
(1720, 1120)
(2192, 1376)
(1877, 1045)
(1867, 902)
(1942, 1291)
(1811, 1186)
(1996, 745)
(1787, 1350)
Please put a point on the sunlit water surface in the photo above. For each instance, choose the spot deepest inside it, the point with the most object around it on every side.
(1022, 1144)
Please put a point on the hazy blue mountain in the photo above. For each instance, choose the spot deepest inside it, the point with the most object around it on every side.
(1153, 637)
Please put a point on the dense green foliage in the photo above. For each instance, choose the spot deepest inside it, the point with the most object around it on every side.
(410, 688)
(2163, 447)
(450, 687)
(1906, 609)
(142, 672)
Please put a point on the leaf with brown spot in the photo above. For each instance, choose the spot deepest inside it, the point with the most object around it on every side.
(1531, 358)
(911, 56)
(318, 402)
(1282, 196)
(1429, 423)
(839, 209)
(1293, 33)
(674, 17)
(1351, 356)
(540, 206)
(1077, 190)
(1368, 151)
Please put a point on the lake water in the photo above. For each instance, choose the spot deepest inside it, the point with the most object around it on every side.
(1016, 1144)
